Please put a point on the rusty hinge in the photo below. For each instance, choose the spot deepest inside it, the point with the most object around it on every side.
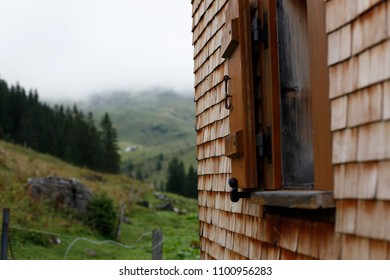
(260, 32)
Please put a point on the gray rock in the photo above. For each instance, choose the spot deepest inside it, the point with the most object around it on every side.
(165, 207)
(60, 192)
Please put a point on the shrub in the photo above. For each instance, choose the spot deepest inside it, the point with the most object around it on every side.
(101, 215)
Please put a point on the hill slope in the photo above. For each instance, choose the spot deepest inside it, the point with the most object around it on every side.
(34, 225)
(153, 126)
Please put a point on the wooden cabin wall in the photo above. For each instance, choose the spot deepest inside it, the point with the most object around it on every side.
(359, 67)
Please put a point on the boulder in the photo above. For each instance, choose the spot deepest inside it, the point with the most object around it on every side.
(60, 192)
(165, 207)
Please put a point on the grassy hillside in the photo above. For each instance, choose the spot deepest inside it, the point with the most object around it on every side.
(160, 125)
(34, 225)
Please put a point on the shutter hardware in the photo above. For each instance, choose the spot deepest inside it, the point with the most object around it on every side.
(235, 195)
(264, 144)
(260, 34)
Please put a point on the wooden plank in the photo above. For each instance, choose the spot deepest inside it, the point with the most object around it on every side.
(295, 199)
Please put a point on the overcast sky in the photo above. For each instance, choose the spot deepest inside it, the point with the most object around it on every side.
(71, 48)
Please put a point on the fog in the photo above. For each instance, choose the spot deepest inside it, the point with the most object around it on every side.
(71, 49)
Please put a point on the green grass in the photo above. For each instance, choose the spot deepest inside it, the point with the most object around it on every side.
(34, 226)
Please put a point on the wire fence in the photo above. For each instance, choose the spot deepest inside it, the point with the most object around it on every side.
(7, 239)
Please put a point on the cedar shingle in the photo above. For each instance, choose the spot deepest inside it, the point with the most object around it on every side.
(339, 45)
(386, 98)
(365, 106)
(329, 243)
(339, 113)
(350, 188)
(346, 216)
(289, 233)
(343, 78)
(338, 13)
(373, 141)
(368, 180)
(363, 28)
(355, 248)
(379, 68)
(372, 219)
(339, 180)
(344, 146)
(388, 19)
(363, 65)
(254, 249)
(287, 255)
(364, 5)
(378, 250)
(384, 180)
(309, 238)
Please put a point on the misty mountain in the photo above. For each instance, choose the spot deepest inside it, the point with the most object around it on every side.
(154, 125)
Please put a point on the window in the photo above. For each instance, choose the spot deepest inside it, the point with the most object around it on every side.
(276, 53)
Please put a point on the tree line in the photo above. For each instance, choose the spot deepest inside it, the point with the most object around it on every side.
(64, 132)
(180, 182)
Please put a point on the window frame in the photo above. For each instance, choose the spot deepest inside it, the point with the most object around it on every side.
(320, 104)
(240, 145)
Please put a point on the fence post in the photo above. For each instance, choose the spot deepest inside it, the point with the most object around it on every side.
(157, 241)
(120, 221)
(4, 235)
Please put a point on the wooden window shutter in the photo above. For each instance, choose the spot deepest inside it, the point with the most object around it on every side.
(240, 145)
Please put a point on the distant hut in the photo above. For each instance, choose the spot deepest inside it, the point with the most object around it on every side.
(293, 128)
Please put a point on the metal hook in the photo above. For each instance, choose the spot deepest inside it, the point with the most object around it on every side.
(228, 106)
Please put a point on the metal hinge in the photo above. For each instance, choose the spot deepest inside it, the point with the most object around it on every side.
(264, 144)
(260, 33)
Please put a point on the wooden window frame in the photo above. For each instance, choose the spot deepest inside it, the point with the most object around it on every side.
(265, 174)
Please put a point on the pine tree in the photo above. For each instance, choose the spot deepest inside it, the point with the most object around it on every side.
(110, 159)
(191, 183)
(176, 176)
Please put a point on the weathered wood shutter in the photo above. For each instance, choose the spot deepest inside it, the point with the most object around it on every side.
(240, 145)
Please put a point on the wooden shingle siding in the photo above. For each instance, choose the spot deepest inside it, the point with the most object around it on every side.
(359, 96)
(360, 72)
